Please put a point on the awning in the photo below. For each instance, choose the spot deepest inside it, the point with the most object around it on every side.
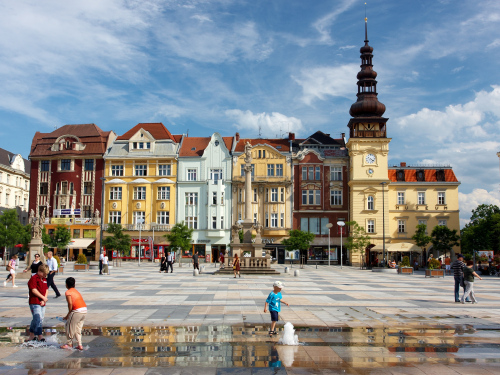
(398, 247)
(80, 243)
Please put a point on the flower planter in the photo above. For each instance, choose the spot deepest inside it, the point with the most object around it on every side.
(60, 270)
(80, 267)
(406, 270)
(434, 273)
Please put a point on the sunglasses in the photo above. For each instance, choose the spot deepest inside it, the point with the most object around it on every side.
(37, 256)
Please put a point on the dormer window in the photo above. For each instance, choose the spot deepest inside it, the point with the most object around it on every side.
(420, 175)
(400, 176)
(141, 145)
(440, 175)
(216, 143)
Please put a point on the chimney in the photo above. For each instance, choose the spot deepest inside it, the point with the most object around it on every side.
(402, 164)
(343, 135)
(291, 136)
(237, 137)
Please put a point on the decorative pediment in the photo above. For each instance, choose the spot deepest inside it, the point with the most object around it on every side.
(68, 142)
(302, 153)
(142, 136)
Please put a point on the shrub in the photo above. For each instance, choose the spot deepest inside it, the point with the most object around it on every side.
(483, 259)
(467, 256)
(434, 264)
(82, 259)
(405, 262)
(56, 257)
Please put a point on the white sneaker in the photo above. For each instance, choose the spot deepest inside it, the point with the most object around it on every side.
(5, 283)
(15, 286)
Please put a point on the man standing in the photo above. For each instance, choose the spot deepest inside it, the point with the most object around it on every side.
(38, 292)
(101, 258)
(52, 264)
(170, 262)
(196, 264)
(458, 273)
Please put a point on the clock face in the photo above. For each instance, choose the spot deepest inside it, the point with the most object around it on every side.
(370, 171)
(370, 159)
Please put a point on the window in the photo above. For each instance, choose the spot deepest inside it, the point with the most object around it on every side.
(140, 192)
(163, 193)
(370, 226)
(311, 197)
(162, 218)
(282, 220)
(139, 217)
(65, 164)
(192, 222)
(401, 226)
(117, 170)
(304, 196)
(274, 220)
(87, 188)
(336, 197)
(255, 217)
(255, 195)
(87, 212)
(214, 222)
(279, 169)
(192, 199)
(317, 174)
(164, 170)
(304, 224)
(240, 195)
(216, 175)
(243, 170)
(222, 222)
(304, 173)
(8, 178)
(318, 196)
(191, 174)
(115, 193)
(25, 185)
(76, 233)
(421, 197)
(89, 164)
(141, 170)
(441, 197)
(115, 217)
(422, 222)
(282, 194)
(401, 197)
(274, 194)
(214, 197)
(267, 220)
(370, 205)
(45, 167)
(270, 170)
(314, 225)
(266, 197)
(44, 188)
(7, 196)
(64, 187)
(222, 198)
(442, 223)
(25, 203)
(311, 173)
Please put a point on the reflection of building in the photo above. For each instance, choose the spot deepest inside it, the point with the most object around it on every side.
(271, 188)
(66, 168)
(14, 184)
(320, 192)
(204, 192)
(141, 175)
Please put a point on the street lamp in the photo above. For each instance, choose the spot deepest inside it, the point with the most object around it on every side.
(102, 215)
(383, 223)
(140, 222)
(329, 225)
(341, 224)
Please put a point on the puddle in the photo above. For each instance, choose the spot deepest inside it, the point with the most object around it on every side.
(249, 345)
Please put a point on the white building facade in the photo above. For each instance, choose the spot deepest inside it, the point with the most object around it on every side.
(14, 184)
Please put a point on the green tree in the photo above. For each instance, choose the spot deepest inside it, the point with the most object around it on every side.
(180, 237)
(11, 230)
(420, 237)
(483, 230)
(60, 238)
(444, 238)
(25, 237)
(358, 240)
(298, 240)
(119, 241)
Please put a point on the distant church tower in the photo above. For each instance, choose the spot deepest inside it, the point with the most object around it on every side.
(368, 151)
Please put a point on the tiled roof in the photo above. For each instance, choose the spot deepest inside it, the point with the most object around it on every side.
(194, 146)
(156, 129)
(228, 141)
(430, 175)
(6, 159)
(89, 134)
(322, 138)
(282, 145)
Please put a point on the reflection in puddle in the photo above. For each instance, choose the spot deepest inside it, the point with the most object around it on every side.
(250, 346)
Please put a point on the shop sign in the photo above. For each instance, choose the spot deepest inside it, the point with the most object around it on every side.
(203, 241)
(61, 220)
(83, 221)
(268, 240)
(143, 240)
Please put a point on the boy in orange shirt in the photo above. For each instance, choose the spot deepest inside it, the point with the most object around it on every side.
(77, 310)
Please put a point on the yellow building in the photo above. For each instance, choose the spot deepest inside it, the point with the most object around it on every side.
(140, 186)
(271, 188)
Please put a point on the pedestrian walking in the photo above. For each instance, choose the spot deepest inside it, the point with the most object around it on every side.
(236, 265)
(170, 262)
(196, 264)
(11, 267)
(163, 264)
(38, 292)
(105, 264)
(447, 263)
(469, 275)
(274, 300)
(221, 259)
(77, 311)
(34, 265)
(458, 273)
(101, 258)
(52, 264)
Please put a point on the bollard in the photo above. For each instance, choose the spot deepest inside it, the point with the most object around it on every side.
(195, 272)
(286, 270)
(202, 269)
(296, 273)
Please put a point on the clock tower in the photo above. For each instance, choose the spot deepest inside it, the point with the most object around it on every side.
(368, 151)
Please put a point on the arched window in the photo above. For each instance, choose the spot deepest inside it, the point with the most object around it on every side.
(370, 203)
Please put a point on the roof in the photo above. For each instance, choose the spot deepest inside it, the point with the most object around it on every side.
(228, 141)
(320, 138)
(280, 144)
(90, 135)
(429, 174)
(156, 129)
(194, 146)
(6, 159)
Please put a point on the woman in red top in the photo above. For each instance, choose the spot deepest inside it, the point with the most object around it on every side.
(77, 310)
(236, 265)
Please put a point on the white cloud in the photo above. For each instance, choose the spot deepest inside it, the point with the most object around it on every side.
(457, 69)
(470, 201)
(320, 82)
(271, 125)
(346, 47)
(324, 24)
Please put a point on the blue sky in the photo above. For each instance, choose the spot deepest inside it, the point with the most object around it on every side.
(283, 65)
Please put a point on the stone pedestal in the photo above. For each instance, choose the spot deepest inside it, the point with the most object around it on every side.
(36, 247)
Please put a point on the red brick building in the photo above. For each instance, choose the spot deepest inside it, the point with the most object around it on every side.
(320, 176)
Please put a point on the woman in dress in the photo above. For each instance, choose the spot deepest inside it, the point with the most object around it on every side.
(236, 265)
(163, 264)
(34, 266)
(12, 272)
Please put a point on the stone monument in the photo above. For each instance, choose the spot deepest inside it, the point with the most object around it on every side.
(36, 243)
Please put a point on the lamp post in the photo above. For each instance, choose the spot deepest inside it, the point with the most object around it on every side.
(102, 215)
(140, 222)
(329, 226)
(153, 243)
(383, 222)
(341, 224)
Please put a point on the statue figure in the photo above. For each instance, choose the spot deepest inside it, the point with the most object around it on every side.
(32, 216)
(258, 228)
(235, 231)
(248, 153)
(36, 230)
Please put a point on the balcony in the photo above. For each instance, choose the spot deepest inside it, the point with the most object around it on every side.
(144, 227)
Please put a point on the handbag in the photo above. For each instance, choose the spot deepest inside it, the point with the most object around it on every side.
(7, 268)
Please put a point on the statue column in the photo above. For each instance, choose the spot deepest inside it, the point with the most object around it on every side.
(248, 193)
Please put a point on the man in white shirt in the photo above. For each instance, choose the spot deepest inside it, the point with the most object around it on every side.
(170, 262)
(52, 264)
(101, 258)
